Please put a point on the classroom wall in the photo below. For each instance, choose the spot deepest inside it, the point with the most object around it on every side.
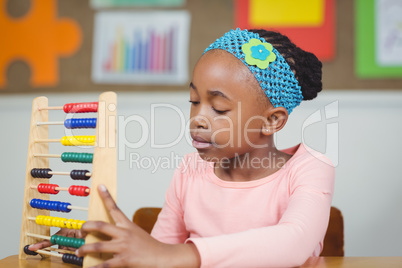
(358, 130)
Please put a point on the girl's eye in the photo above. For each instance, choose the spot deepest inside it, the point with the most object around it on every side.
(219, 112)
(194, 102)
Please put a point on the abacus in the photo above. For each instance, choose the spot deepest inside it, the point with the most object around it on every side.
(36, 219)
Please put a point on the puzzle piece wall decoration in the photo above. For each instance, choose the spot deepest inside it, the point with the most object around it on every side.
(39, 38)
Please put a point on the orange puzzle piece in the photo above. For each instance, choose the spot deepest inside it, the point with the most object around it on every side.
(39, 38)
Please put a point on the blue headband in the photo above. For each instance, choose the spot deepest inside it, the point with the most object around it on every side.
(267, 65)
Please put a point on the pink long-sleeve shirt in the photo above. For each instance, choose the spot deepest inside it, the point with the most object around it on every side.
(276, 221)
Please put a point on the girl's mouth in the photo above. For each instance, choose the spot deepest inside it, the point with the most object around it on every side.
(200, 143)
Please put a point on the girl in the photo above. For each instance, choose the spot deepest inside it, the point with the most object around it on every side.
(238, 201)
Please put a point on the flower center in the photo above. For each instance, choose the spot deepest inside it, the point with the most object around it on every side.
(259, 52)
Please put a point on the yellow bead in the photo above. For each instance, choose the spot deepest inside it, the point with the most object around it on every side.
(47, 221)
(79, 224)
(68, 223)
(58, 222)
(78, 140)
(63, 223)
(38, 219)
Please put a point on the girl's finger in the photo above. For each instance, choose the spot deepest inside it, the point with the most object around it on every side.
(102, 227)
(117, 215)
(40, 245)
(99, 247)
(78, 234)
(71, 233)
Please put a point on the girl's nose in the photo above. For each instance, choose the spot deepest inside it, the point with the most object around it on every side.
(200, 121)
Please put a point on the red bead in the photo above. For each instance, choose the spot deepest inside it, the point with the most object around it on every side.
(78, 190)
(47, 188)
(84, 107)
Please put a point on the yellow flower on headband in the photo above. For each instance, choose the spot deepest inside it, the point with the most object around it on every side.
(258, 53)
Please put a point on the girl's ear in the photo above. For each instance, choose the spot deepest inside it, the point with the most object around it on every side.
(276, 120)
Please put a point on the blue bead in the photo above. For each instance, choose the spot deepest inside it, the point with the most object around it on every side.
(34, 203)
(68, 123)
(63, 207)
(40, 204)
(80, 123)
(55, 205)
(50, 205)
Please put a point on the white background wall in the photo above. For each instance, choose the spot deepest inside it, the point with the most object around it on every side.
(359, 130)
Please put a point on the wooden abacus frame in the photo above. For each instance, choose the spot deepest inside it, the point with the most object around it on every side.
(104, 168)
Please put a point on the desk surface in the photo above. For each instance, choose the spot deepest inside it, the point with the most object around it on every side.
(314, 262)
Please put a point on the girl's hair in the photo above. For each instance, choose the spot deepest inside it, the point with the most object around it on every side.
(305, 65)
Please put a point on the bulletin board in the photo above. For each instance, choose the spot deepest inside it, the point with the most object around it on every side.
(209, 20)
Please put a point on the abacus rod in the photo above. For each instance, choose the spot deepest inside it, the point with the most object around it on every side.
(66, 189)
(50, 123)
(57, 188)
(77, 208)
(48, 155)
(47, 140)
(59, 250)
(38, 236)
(59, 173)
(61, 189)
(51, 108)
(44, 252)
(88, 174)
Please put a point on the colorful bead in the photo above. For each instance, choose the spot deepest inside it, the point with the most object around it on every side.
(42, 173)
(59, 222)
(80, 123)
(67, 241)
(84, 107)
(78, 140)
(78, 190)
(47, 188)
(29, 252)
(76, 174)
(77, 157)
(50, 205)
(73, 259)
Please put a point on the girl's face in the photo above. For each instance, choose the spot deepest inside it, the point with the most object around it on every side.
(226, 117)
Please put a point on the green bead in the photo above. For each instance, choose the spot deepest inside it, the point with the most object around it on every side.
(53, 239)
(62, 241)
(77, 157)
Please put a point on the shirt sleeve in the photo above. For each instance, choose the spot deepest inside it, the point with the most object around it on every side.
(170, 227)
(293, 240)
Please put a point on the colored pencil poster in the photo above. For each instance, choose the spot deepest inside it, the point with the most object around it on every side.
(141, 47)
(378, 38)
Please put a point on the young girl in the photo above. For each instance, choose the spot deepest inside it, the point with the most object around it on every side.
(239, 201)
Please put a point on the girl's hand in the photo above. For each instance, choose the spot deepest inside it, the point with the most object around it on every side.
(62, 232)
(132, 246)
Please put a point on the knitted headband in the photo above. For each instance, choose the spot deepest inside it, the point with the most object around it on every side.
(267, 65)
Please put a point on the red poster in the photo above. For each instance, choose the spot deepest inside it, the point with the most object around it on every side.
(319, 40)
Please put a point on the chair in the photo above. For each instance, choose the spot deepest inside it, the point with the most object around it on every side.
(333, 241)
(146, 218)
(334, 238)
